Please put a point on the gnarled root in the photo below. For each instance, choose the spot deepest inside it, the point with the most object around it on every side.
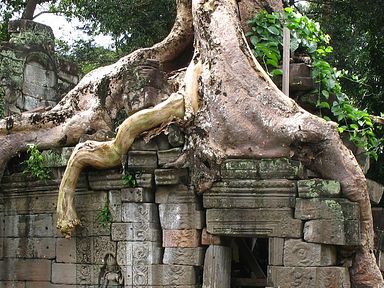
(108, 154)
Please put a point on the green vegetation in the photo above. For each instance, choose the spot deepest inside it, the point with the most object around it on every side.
(105, 216)
(35, 163)
(308, 38)
(129, 179)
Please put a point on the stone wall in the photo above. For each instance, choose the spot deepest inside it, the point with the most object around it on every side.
(163, 234)
(31, 74)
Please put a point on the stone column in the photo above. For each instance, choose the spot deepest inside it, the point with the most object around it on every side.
(217, 267)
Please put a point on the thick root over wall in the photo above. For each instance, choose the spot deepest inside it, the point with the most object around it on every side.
(235, 105)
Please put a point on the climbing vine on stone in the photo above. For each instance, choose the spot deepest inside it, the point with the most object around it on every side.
(307, 38)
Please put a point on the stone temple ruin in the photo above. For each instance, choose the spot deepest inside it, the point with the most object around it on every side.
(265, 223)
(32, 76)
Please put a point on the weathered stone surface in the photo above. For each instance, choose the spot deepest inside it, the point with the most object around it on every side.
(115, 200)
(29, 247)
(187, 238)
(275, 251)
(175, 194)
(168, 156)
(112, 179)
(137, 194)
(159, 276)
(137, 231)
(181, 216)
(300, 253)
(308, 277)
(171, 176)
(66, 250)
(16, 284)
(140, 144)
(262, 222)
(87, 274)
(93, 249)
(90, 225)
(184, 256)
(240, 169)
(142, 160)
(38, 202)
(25, 269)
(375, 191)
(332, 231)
(318, 208)
(210, 239)
(314, 188)
(39, 225)
(64, 273)
(281, 168)
(175, 136)
(138, 253)
(217, 267)
(139, 212)
(251, 194)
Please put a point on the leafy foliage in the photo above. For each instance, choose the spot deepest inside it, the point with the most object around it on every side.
(307, 37)
(105, 216)
(129, 179)
(35, 163)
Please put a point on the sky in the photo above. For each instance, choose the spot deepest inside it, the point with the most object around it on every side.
(67, 31)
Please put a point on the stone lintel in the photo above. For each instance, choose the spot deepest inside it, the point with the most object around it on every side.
(261, 222)
(248, 193)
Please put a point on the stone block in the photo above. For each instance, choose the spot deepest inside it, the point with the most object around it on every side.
(66, 250)
(137, 194)
(160, 275)
(112, 180)
(168, 156)
(175, 194)
(187, 238)
(171, 176)
(139, 212)
(217, 267)
(318, 188)
(43, 248)
(281, 168)
(115, 200)
(138, 231)
(240, 169)
(138, 253)
(25, 269)
(64, 273)
(90, 225)
(17, 284)
(181, 216)
(332, 231)
(375, 191)
(261, 222)
(251, 194)
(308, 277)
(38, 225)
(140, 144)
(142, 160)
(87, 275)
(321, 208)
(184, 256)
(300, 253)
(210, 239)
(275, 251)
(93, 249)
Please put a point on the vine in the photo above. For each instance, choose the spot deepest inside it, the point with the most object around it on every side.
(105, 216)
(266, 36)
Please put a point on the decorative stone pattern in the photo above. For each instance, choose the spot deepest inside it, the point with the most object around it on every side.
(165, 235)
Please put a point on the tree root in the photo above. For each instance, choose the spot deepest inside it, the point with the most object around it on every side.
(109, 154)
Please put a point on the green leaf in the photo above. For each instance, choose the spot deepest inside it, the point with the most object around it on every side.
(273, 30)
(324, 105)
(276, 72)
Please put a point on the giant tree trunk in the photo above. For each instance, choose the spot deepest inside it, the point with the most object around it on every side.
(225, 95)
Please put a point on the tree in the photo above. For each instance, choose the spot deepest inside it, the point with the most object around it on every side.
(227, 104)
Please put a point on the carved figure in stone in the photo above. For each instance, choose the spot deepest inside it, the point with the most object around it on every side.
(110, 274)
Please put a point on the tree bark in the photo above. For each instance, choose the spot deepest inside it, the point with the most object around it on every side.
(225, 95)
